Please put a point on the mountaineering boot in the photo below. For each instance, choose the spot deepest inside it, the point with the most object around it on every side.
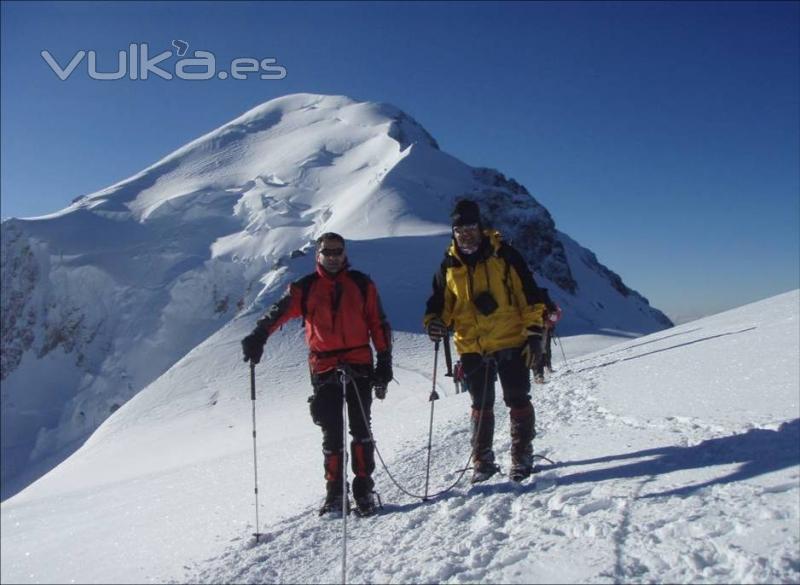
(522, 467)
(334, 504)
(522, 433)
(334, 500)
(366, 505)
(482, 437)
(483, 470)
(363, 463)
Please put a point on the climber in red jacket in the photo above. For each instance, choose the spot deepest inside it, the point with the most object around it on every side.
(342, 313)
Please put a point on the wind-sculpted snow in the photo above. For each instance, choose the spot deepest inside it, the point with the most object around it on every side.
(101, 298)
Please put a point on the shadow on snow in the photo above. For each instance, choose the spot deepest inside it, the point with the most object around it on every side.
(758, 451)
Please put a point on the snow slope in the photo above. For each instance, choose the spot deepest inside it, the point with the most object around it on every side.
(103, 297)
(677, 459)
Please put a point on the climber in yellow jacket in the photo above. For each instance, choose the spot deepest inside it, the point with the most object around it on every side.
(486, 293)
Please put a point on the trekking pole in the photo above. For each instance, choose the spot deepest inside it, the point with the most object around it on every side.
(433, 396)
(257, 534)
(561, 345)
(345, 506)
(448, 358)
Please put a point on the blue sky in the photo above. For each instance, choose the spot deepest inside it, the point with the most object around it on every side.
(663, 136)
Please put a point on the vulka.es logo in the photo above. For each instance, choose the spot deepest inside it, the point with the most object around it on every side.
(136, 63)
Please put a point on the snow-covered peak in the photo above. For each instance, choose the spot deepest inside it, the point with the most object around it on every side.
(321, 153)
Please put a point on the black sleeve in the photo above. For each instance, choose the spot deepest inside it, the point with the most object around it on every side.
(435, 302)
(287, 307)
(545, 298)
(275, 312)
(517, 262)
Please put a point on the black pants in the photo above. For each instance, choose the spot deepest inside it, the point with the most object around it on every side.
(546, 361)
(326, 406)
(515, 378)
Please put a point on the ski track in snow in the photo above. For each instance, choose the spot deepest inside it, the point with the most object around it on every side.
(605, 525)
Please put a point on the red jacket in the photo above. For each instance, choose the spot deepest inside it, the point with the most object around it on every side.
(339, 318)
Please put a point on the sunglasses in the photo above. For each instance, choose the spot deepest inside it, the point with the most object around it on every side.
(332, 251)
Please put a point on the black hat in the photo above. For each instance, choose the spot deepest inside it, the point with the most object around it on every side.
(466, 212)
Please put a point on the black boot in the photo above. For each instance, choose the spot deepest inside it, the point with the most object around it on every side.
(522, 433)
(363, 463)
(482, 438)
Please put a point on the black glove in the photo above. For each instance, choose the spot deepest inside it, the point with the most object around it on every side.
(532, 350)
(253, 345)
(436, 329)
(380, 391)
(383, 374)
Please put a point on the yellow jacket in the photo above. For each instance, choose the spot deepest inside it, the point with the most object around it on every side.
(502, 271)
